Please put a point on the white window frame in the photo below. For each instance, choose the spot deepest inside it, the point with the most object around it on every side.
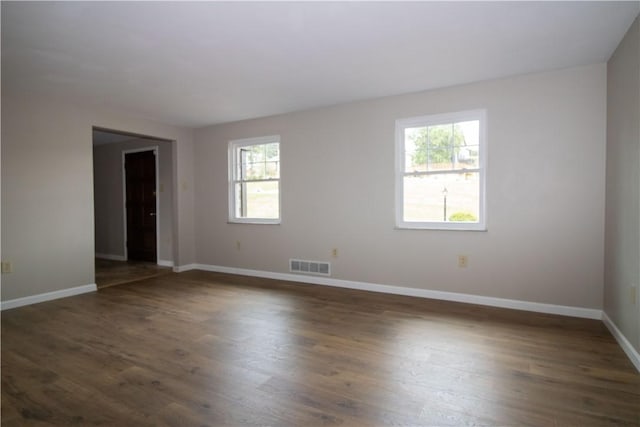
(432, 120)
(233, 160)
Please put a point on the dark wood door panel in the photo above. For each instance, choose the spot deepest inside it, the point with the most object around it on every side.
(140, 175)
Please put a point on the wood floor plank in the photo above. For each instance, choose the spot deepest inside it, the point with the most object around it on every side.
(199, 348)
(111, 273)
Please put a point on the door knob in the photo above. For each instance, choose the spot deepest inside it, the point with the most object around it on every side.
(152, 214)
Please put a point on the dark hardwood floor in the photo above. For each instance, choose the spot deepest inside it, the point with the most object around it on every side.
(111, 273)
(196, 348)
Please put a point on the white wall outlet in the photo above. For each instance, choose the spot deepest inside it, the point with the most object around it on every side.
(7, 267)
(238, 245)
(463, 261)
(334, 252)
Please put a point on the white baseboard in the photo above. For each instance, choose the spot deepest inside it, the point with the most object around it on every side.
(165, 263)
(631, 352)
(48, 296)
(186, 267)
(587, 313)
(111, 257)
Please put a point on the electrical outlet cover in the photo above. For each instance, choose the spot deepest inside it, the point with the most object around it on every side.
(7, 267)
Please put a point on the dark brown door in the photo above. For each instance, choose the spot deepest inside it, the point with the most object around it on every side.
(140, 176)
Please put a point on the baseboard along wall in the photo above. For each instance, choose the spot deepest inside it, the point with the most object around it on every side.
(47, 296)
(586, 313)
(631, 352)
(165, 263)
(111, 257)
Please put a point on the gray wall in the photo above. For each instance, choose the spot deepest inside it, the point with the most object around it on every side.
(622, 244)
(108, 197)
(545, 193)
(47, 191)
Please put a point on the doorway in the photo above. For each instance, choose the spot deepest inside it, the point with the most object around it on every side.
(140, 204)
(133, 206)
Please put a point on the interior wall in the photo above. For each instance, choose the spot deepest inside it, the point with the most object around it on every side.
(47, 190)
(622, 254)
(109, 202)
(545, 193)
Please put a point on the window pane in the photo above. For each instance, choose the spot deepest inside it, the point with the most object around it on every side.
(415, 149)
(442, 197)
(468, 157)
(272, 169)
(259, 161)
(448, 146)
(439, 147)
(466, 145)
(257, 200)
(256, 152)
(241, 165)
(254, 170)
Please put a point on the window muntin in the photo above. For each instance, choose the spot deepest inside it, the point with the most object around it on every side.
(441, 171)
(254, 181)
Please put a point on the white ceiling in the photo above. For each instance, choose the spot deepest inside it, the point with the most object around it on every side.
(196, 64)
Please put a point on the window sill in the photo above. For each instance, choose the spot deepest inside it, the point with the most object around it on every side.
(254, 221)
(442, 227)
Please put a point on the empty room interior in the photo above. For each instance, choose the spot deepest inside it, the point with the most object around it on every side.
(320, 213)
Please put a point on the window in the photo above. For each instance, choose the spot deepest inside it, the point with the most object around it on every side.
(440, 171)
(254, 180)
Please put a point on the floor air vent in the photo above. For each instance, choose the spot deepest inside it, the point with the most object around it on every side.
(309, 267)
